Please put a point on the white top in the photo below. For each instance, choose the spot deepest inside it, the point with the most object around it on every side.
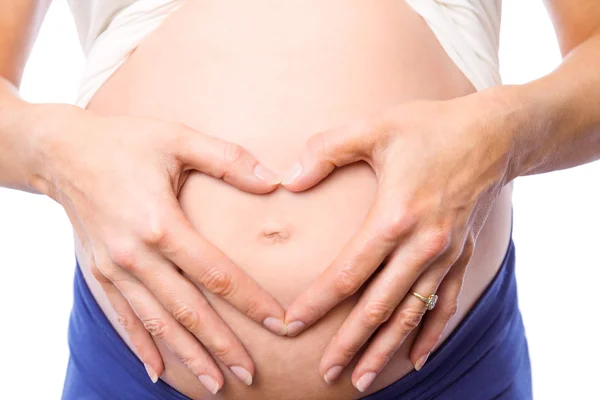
(469, 32)
(92, 17)
(109, 30)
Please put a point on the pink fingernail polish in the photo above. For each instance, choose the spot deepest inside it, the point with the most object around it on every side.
(209, 383)
(263, 173)
(275, 325)
(242, 374)
(365, 381)
(421, 361)
(151, 373)
(333, 373)
(294, 328)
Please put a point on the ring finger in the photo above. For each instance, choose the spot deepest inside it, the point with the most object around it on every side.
(375, 307)
(390, 336)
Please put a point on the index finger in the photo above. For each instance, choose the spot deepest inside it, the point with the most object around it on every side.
(224, 160)
(336, 147)
(377, 237)
(209, 267)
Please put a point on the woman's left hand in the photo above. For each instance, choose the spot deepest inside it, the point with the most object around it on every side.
(440, 165)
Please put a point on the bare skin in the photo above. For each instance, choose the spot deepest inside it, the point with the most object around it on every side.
(271, 106)
(571, 93)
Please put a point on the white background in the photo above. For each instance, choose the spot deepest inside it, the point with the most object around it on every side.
(556, 231)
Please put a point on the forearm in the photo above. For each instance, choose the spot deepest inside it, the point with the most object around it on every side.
(555, 120)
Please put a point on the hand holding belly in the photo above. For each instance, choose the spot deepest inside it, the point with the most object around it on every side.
(118, 179)
(440, 166)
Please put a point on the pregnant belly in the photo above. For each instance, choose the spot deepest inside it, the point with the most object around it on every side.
(268, 75)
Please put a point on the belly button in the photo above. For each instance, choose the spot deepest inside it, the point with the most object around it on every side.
(272, 236)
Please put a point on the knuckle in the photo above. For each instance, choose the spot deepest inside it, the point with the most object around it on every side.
(218, 282)
(177, 138)
(345, 283)
(252, 308)
(189, 361)
(396, 224)
(449, 309)
(154, 233)
(468, 248)
(156, 327)
(454, 255)
(194, 361)
(436, 242)
(381, 359)
(316, 144)
(97, 274)
(377, 313)
(220, 348)
(314, 309)
(186, 316)
(409, 320)
(233, 154)
(348, 353)
(124, 321)
(105, 272)
(123, 255)
(348, 349)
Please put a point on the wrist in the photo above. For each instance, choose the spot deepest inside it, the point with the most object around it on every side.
(522, 116)
(16, 145)
(40, 127)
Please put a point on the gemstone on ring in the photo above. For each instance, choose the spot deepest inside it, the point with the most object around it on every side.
(431, 301)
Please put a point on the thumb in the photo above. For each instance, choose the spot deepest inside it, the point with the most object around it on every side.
(329, 149)
(225, 160)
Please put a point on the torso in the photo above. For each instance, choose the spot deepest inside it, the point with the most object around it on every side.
(268, 75)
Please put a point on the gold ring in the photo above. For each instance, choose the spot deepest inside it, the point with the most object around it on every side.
(429, 300)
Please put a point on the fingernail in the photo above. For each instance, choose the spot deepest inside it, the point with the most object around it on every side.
(151, 373)
(294, 328)
(242, 374)
(263, 173)
(209, 383)
(293, 174)
(421, 362)
(275, 325)
(333, 373)
(365, 381)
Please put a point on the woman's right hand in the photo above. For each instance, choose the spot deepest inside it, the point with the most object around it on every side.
(118, 179)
